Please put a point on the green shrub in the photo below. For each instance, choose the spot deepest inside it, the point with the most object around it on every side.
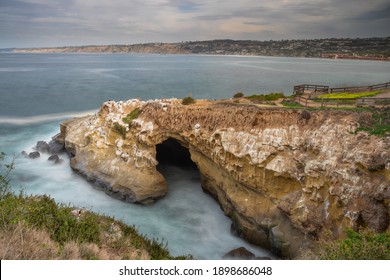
(188, 100)
(238, 95)
(364, 245)
(120, 129)
(132, 116)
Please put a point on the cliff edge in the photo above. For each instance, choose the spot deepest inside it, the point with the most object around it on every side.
(286, 178)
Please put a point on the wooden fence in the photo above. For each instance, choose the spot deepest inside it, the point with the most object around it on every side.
(360, 89)
(300, 89)
(341, 102)
(372, 101)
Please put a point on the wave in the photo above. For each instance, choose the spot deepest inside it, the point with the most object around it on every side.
(44, 118)
(19, 69)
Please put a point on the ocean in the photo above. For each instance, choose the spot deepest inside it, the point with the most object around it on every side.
(38, 91)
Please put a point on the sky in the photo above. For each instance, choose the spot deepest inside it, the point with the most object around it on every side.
(49, 23)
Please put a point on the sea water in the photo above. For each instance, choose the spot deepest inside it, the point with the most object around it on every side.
(38, 91)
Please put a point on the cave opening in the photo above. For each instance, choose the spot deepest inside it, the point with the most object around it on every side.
(171, 153)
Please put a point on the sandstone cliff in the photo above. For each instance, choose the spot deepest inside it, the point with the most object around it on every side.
(285, 177)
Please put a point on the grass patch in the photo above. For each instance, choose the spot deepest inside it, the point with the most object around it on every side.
(290, 103)
(364, 245)
(42, 212)
(348, 95)
(376, 122)
(89, 233)
(266, 97)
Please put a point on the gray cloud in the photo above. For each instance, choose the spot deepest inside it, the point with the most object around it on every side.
(29, 23)
(374, 15)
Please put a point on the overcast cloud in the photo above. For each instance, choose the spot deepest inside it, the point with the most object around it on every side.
(35, 23)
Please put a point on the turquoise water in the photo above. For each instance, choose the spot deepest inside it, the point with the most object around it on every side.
(38, 91)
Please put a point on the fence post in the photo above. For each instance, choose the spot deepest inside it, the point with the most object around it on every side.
(322, 102)
(306, 102)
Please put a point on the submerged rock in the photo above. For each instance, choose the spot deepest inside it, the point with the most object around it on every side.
(56, 145)
(42, 147)
(59, 161)
(53, 158)
(34, 155)
(56, 159)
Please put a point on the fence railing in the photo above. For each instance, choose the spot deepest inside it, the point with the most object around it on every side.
(300, 89)
(338, 102)
(307, 94)
(360, 89)
(372, 101)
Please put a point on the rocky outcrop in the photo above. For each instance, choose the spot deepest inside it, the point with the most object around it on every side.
(286, 178)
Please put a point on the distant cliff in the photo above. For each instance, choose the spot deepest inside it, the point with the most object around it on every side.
(375, 48)
(286, 178)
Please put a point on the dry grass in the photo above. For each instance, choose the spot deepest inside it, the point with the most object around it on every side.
(22, 242)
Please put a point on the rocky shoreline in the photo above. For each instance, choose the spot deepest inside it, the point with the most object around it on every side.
(286, 178)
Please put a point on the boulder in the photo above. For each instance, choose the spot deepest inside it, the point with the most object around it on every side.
(24, 153)
(53, 158)
(58, 161)
(42, 147)
(56, 147)
(34, 155)
(305, 115)
(239, 254)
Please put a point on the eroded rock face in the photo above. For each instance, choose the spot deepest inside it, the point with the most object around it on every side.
(285, 177)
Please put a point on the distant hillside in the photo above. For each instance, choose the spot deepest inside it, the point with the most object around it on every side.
(366, 48)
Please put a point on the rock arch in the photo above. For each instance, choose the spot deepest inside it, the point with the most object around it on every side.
(282, 180)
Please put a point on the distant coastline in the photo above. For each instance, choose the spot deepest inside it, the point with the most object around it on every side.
(359, 48)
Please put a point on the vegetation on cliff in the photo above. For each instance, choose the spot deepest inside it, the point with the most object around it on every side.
(132, 116)
(363, 245)
(375, 122)
(120, 129)
(36, 227)
(266, 97)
